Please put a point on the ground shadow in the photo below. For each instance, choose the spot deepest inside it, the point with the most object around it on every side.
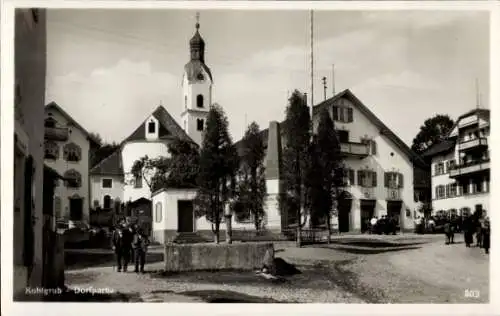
(79, 260)
(218, 296)
(369, 251)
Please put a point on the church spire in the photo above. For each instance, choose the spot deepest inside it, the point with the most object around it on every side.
(197, 44)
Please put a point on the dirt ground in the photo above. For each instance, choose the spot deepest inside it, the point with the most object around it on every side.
(384, 269)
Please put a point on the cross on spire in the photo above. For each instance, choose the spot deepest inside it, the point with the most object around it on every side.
(197, 20)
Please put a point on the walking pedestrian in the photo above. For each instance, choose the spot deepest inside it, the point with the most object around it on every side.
(468, 231)
(486, 235)
(140, 244)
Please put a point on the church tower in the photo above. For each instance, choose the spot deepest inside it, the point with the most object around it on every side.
(196, 89)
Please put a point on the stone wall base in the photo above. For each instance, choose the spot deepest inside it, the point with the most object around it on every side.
(209, 256)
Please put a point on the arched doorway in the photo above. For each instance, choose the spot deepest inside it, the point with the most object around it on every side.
(344, 210)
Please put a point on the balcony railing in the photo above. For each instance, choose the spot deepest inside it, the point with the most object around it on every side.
(56, 133)
(354, 149)
(474, 143)
(393, 194)
(469, 168)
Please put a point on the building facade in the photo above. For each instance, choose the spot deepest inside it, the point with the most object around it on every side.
(461, 166)
(35, 241)
(380, 167)
(66, 150)
(107, 183)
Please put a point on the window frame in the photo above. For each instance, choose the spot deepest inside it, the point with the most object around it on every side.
(106, 187)
(55, 150)
(71, 149)
(198, 122)
(200, 101)
(151, 124)
(158, 212)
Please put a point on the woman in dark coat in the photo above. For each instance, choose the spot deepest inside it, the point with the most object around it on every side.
(468, 230)
(486, 235)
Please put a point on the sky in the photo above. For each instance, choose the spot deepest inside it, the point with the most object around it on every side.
(109, 69)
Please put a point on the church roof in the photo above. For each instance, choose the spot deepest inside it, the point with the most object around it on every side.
(169, 128)
(111, 165)
(195, 67)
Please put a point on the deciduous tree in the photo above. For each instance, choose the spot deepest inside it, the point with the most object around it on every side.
(433, 131)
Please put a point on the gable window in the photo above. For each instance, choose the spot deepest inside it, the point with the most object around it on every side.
(199, 100)
(343, 136)
(107, 183)
(439, 169)
(373, 147)
(138, 182)
(158, 213)
(199, 124)
(75, 179)
(50, 123)
(51, 150)
(72, 152)
(343, 114)
(393, 180)
(367, 178)
(151, 127)
(185, 102)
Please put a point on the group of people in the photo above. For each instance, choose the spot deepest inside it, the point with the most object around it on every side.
(130, 244)
(383, 225)
(470, 225)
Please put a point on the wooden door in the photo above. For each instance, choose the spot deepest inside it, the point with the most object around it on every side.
(185, 216)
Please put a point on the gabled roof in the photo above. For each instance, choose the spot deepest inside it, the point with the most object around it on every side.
(111, 165)
(55, 106)
(481, 113)
(168, 127)
(384, 130)
(442, 147)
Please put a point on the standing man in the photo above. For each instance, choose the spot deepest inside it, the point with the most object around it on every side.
(117, 240)
(486, 235)
(140, 244)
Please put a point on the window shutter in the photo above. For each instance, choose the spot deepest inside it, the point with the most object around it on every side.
(360, 177)
(351, 176)
(374, 147)
(386, 179)
(349, 115)
(335, 113)
(374, 178)
(437, 192)
(447, 190)
(400, 180)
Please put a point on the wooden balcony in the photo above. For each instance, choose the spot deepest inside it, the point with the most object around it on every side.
(354, 149)
(478, 143)
(470, 168)
(57, 133)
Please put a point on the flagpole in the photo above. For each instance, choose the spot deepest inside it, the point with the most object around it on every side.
(312, 61)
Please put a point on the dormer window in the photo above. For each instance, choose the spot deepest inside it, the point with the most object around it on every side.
(200, 76)
(199, 100)
(151, 127)
(50, 122)
(185, 102)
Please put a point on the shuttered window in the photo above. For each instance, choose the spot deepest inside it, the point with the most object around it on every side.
(367, 178)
